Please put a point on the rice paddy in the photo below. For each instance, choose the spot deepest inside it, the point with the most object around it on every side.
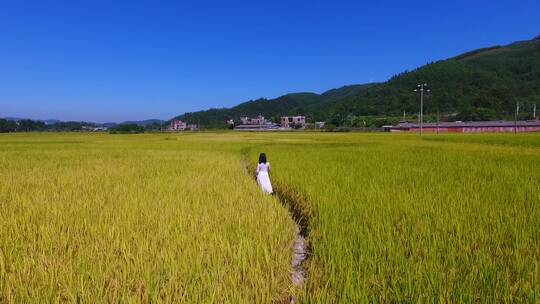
(103, 218)
(175, 218)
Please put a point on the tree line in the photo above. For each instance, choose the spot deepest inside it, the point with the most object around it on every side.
(28, 125)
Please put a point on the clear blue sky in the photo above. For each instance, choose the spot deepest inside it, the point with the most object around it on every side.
(113, 61)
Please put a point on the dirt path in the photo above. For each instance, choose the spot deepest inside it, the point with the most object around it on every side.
(301, 248)
(301, 245)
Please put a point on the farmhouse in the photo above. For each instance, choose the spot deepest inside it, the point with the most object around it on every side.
(293, 122)
(259, 120)
(469, 126)
(177, 125)
(255, 124)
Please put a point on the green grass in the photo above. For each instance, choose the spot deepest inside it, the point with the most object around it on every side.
(172, 217)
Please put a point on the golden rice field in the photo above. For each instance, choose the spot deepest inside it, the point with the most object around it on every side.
(176, 218)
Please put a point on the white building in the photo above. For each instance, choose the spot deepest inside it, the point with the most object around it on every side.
(293, 122)
(260, 120)
(177, 125)
(255, 124)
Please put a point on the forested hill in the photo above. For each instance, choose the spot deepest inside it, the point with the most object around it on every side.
(484, 84)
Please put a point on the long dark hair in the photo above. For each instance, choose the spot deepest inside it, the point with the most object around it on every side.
(262, 158)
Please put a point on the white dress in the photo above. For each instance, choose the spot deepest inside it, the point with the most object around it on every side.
(263, 178)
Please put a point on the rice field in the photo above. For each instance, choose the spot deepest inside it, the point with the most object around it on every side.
(403, 220)
(175, 218)
(149, 218)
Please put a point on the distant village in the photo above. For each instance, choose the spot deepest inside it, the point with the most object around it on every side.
(179, 125)
(286, 123)
(260, 123)
(299, 123)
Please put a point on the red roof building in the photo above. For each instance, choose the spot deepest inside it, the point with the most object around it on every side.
(469, 126)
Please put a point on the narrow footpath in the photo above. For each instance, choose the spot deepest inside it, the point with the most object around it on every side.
(301, 247)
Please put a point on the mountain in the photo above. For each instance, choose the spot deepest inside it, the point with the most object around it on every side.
(51, 121)
(482, 84)
(14, 118)
(143, 123)
(109, 124)
(290, 104)
(46, 121)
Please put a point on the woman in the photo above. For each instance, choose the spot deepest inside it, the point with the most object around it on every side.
(263, 178)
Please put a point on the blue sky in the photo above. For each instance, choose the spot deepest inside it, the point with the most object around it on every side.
(114, 60)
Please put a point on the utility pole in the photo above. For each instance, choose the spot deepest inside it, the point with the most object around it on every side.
(403, 115)
(534, 112)
(516, 118)
(437, 121)
(421, 109)
(421, 88)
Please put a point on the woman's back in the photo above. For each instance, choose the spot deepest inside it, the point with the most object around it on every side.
(263, 178)
(263, 167)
